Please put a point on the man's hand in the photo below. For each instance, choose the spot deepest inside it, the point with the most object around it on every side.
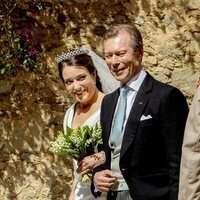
(104, 180)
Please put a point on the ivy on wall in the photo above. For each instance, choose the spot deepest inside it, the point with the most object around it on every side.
(24, 52)
(26, 25)
(19, 47)
(20, 50)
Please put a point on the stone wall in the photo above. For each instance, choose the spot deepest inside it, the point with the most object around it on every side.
(33, 105)
(31, 113)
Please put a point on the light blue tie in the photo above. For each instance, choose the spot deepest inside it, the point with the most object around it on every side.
(119, 117)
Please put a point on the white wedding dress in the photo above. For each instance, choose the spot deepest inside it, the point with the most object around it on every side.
(82, 190)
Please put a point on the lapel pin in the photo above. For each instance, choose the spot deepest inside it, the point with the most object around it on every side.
(140, 103)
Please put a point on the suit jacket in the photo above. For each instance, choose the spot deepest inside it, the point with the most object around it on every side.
(189, 186)
(151, 149)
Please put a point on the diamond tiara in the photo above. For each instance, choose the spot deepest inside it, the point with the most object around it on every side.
(71, 53)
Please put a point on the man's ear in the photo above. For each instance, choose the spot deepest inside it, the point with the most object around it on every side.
(140, 52)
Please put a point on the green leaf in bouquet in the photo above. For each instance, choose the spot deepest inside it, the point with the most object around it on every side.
(83, 133)
(69, 131)
(73, 153)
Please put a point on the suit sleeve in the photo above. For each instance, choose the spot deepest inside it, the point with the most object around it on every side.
(174, 113)
(190, 162)
(103, 166)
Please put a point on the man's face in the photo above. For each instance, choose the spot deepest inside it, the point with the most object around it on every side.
(123, 62)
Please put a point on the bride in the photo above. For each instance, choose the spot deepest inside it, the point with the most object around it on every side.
(86, 78)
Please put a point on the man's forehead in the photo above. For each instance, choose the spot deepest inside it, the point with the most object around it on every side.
(117, 43)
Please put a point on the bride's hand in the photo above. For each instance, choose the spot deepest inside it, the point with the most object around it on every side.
(89, 162)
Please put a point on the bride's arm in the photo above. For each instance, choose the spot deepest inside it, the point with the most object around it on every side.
(71, 196)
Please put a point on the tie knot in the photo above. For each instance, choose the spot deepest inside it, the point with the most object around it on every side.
(124, 89)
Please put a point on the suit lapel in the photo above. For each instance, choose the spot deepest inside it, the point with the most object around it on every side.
(109, 110)
(136, 112)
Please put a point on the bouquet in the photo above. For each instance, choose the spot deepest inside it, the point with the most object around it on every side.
(78, 143)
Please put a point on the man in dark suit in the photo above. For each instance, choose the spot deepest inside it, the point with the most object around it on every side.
(142, 163)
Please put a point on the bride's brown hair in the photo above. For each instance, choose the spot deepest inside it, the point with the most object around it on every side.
(83, 60)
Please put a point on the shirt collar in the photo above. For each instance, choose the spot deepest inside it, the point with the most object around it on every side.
(137, 80)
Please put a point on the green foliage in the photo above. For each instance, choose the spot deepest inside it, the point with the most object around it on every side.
(20, 21)
(24, 52)
(78, 142)
(19, 47)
